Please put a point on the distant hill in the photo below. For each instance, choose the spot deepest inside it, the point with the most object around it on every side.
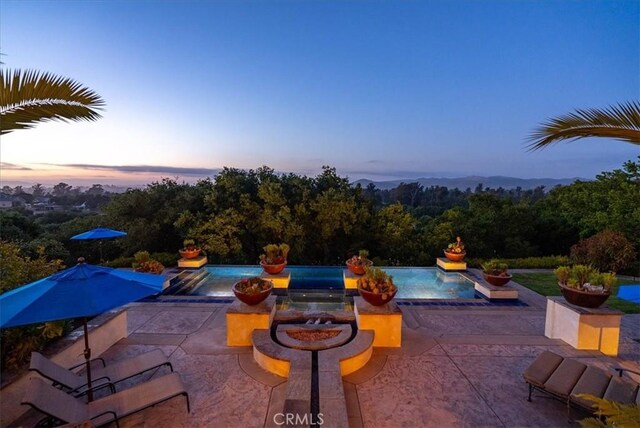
(463, 183)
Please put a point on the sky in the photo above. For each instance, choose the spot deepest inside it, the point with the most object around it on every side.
(376, 89)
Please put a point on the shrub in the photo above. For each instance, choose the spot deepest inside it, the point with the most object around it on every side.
(606, 251)
(167, 259)
(120, 262)
(547, 262)
(144, 263)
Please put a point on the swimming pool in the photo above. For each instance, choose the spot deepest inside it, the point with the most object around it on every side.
(412, 282)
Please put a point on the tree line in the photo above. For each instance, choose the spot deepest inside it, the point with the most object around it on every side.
(325, 219)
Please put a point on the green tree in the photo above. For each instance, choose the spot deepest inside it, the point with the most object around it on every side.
(621, 122)
(29, 97)
(396, 235)
(611, 201)
(17, 270)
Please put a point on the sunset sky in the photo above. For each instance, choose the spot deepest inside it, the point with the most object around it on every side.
(377, 89)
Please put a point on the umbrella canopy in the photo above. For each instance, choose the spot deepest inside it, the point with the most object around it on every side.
(630, 293)
(81, 291)
(99, 233)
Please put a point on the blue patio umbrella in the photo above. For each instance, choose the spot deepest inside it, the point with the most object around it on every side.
(99, 233)
(630, 293)
(79, 292)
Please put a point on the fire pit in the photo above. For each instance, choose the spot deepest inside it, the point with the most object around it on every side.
(313, 337)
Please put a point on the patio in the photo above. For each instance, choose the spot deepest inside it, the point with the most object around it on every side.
(457, 367)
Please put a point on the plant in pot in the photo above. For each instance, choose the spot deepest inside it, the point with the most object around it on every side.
(376, 286)
(496, 273)
(189, 250)
(455, 251)
(274, 259)
(585, 286)
(358, 264)
(144, 263)
(252, 290)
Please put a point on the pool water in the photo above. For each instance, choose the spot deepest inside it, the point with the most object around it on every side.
(324, 284)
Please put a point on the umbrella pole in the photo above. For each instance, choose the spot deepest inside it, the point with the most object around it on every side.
(100, 246)
(87, 357)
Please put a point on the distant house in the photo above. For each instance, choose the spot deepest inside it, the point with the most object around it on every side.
(82, 207)
(42, 204)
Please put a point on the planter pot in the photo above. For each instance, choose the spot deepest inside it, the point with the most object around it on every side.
(376, 298)
(584, 298)
(189, 254)
(273, 269)
(252, 299)
(497, 280)
(358, 269)
(455, 257)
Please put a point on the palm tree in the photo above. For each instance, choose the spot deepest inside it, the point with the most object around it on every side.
(621, 122)
(28, 97)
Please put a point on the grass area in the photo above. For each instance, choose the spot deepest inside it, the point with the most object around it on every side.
(545, 283)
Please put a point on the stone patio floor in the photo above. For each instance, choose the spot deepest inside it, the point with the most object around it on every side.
(457, 367)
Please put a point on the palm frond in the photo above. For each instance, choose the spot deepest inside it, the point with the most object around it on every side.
(28, 97)
(621, 122)
(615, 414)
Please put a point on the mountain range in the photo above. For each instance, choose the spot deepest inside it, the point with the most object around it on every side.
(463, 183)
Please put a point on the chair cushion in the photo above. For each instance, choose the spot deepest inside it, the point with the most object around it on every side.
(542, 368)
(594, 381)
(562, 381)
(620, 391)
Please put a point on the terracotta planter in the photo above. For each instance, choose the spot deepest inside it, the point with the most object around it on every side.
(189, 254)
(497, 280)
(455, 257)
(376, 298)
(273, 269)
(584, 298)
(252, 299)
(358, 269)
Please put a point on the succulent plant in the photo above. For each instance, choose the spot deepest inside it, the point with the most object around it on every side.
(189, 244)
(586, 278)
(361, 259)
(253, 285)
(456, 247)
(495, 268)
(375, 280)
(275, 254)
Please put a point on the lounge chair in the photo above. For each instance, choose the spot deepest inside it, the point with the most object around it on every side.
(566, 378)
(67, 409)
(105, 376)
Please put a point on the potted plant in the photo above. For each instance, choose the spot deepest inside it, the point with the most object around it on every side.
(275, 258)
(358, 264)
(144, 263)
(455, 251)
(252, 290)
(496, 273)
(376, 286)
(189, 250)
(585, 286)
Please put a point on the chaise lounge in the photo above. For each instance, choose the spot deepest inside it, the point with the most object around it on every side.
(64, 408)
(105, 376)
(566, 378)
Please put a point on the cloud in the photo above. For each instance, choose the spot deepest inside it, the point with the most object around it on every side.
(12, 166)
(154, 169)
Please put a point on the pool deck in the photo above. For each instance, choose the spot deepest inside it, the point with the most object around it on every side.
(458, 366)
